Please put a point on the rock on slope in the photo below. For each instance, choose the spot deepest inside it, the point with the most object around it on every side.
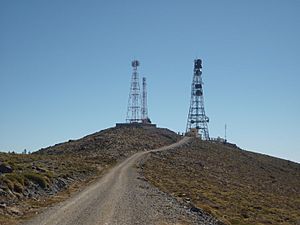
(237, 186)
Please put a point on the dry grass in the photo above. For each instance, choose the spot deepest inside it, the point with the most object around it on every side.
(236, 186)
(7, 220)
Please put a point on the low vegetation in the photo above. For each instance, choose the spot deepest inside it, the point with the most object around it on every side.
(236, 186)
(37, 176)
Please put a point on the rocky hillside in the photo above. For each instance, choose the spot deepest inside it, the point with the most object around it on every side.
(236, 186)
(115, 143)
(29, 182)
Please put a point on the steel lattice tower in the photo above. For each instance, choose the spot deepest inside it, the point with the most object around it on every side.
(144, 101)
(197, 118)
(134, 100)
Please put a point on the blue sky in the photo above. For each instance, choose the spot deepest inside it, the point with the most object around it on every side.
(65, 68)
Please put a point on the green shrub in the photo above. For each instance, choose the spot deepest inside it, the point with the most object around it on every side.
(18, 188)
(36, 178)
(9, 184)
(49, 174)
(15, 178)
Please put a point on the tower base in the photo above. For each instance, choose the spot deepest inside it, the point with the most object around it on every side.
(138, 125)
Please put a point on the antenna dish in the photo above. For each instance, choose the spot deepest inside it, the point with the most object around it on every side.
(198, 64)
(135, 63)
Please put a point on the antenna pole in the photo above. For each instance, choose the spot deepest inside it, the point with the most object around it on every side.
(144, 101)
(225, 132)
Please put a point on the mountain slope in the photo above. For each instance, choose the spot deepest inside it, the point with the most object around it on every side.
(29, 182)
(237, 186)
(122, 197)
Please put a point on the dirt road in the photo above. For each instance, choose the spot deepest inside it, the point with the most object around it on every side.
(120, 197)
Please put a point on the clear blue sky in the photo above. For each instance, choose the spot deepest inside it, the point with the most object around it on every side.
(65, 68)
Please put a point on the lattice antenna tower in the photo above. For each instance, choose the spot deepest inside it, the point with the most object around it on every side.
(144, 101)
(196, 117)
(134, 100)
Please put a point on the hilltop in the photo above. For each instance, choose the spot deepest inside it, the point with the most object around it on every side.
(114, 144)
(29, 182)
(234, 185)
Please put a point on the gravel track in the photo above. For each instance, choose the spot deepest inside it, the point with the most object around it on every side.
(121, 197)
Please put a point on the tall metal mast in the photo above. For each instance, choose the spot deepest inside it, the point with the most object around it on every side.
(225, 132)
(197, 118)
(144, 101)
(134, 100)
